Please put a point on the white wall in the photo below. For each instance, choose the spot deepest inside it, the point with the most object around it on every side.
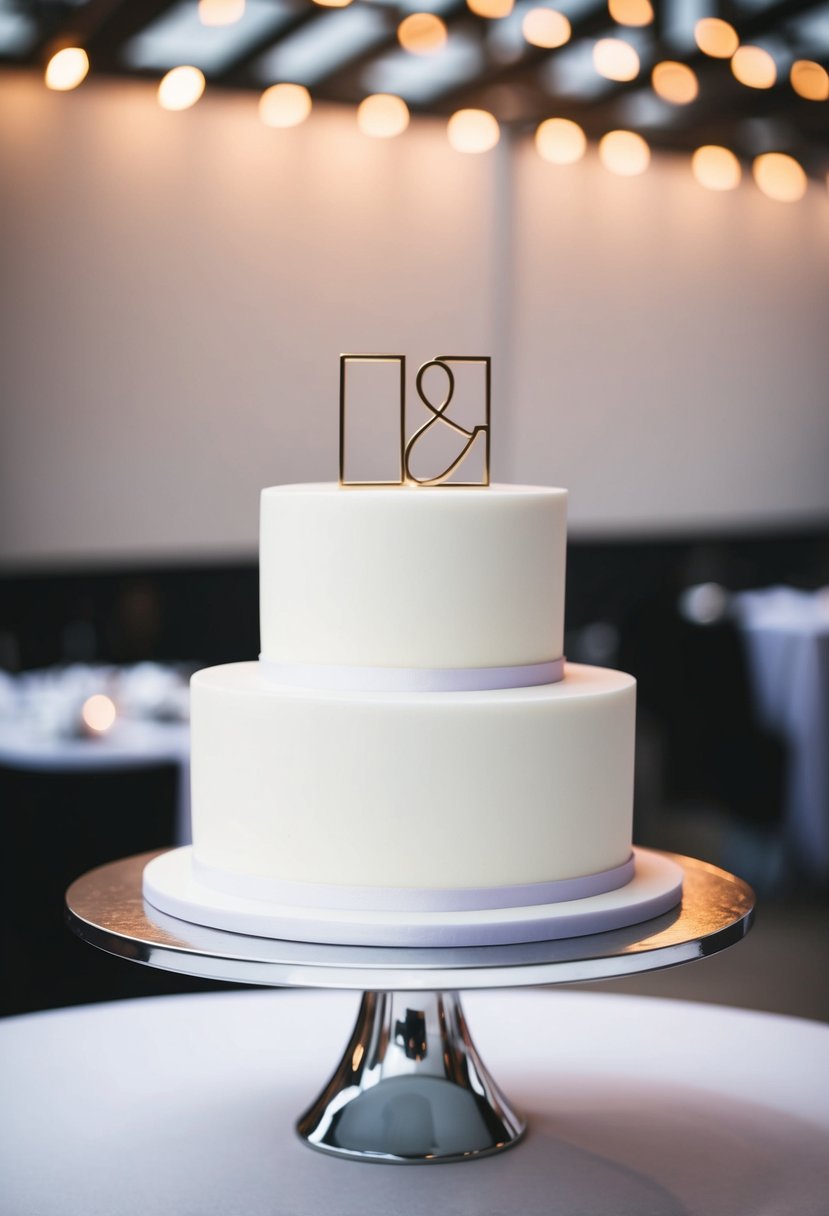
(670, 348)
(177, 288)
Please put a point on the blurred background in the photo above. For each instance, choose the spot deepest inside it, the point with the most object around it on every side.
(624, 209)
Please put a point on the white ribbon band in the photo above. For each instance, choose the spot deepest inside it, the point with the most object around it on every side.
(277, 892)
(322, 677)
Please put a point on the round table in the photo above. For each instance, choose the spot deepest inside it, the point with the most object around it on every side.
(638, 1107)
(131, 744)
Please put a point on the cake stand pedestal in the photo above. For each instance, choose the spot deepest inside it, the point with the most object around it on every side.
(410, 1086)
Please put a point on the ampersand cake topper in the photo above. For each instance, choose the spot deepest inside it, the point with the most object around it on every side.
(462, 440)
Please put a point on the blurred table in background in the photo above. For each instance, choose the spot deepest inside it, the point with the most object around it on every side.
(786, 633)
(129, 745)
(86, 718)
(94, 765)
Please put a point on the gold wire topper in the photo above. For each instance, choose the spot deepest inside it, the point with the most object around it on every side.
(439, 415)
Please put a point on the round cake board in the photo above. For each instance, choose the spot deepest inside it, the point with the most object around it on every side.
(169, 884)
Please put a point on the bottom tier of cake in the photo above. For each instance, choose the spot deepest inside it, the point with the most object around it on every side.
(413, 795)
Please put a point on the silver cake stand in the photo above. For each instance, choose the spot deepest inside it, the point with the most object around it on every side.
(410, 1086)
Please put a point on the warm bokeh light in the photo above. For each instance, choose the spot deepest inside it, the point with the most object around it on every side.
(545, 27)
(624, 152)
(284, 105)
(382, 115)
(491, 8)
(716, 38)
(716, 168)
(67, 69)
(221, 12)
(421, 33)
(810, 80)
(615, 59)
(631, 12)
(675, 82)
(560, 141)
(780, 177)
(333, 3)
(98, 713)
(754, 67)
(473, 131)
(180, 88)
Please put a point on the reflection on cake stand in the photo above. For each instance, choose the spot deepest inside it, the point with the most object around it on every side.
(410, 1086)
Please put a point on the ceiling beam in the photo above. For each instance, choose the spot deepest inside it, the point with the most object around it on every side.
(239, 74)
(514, 91)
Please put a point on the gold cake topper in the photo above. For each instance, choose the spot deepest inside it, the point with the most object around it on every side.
(470, 437)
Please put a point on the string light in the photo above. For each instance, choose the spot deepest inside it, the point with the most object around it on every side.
(716, 168)
(492, 9)
(754, 67)
(716, 37)
(180, 88)
(780, 177)
(624, 153)
(67, 69)
(421, 33)
(631, 12)
(615, 59)
(473, 131)
(675, 82)
(545, 27)
(284, 105)
(382, 115)
(560, 141)
(810, 80)
(221, 12)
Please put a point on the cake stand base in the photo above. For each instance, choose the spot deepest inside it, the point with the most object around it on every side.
(411, 1088)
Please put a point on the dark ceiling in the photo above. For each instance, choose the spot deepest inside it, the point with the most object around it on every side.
(497, 69)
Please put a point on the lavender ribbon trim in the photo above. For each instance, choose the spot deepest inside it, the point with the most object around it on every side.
(410, 899)
(322, 677)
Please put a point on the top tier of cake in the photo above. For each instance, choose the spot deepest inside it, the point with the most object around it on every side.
(407, 577)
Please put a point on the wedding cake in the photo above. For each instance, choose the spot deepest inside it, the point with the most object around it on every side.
(411, 761)
(346, 757)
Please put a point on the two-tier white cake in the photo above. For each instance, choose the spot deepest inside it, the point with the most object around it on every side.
(410, 747)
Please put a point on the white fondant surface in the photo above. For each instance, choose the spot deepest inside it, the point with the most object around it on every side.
(428, 790)
(407, 577)
(171, 886)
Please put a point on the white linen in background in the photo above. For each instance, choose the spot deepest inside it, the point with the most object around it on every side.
(39, 712)
(786, 633)
(128, 745)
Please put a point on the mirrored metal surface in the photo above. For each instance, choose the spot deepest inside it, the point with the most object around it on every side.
(411, 1088)
(106, 909)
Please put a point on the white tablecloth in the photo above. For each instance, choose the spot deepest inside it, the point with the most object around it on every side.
(638, 1107)
(787, 638)
(129, 745)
